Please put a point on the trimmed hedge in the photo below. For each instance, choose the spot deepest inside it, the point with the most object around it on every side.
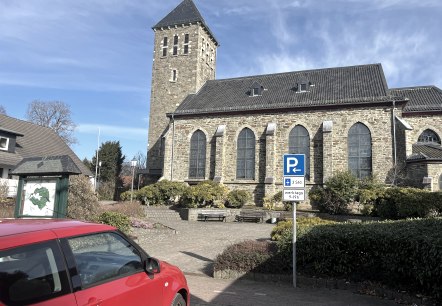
(265, 256)
(251, 256)
(376, 199)
(303, 225)
(404, 254)
(400, 203)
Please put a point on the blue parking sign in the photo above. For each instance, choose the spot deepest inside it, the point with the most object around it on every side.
(294, 164)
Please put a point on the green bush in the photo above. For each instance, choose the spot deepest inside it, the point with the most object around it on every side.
(251, 256)
(125, 196)
(149, 195)
(400, 203)
(280, 229)
(82, 201)
(303, 225)
(116, 219)
(339, 191)
(238, 198)
(405, 254)
(106, 191)
(370, 191)
(204, 194)
(170, 192)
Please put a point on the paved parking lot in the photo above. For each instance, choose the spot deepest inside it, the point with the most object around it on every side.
(193, 248)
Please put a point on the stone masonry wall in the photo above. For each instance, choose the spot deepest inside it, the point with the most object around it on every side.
(419, 124)
(376, 119)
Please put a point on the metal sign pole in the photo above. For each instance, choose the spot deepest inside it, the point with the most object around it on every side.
(294, 244)
(294, 191)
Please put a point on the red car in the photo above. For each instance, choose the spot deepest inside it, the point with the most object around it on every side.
(74, 263)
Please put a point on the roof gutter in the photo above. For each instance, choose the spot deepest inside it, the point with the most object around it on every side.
(276, 109)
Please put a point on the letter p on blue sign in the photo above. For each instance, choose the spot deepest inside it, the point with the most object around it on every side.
(294, 164)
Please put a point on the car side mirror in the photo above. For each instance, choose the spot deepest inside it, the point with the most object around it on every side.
(152, 266)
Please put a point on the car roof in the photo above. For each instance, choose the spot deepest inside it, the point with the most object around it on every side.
(22, 226)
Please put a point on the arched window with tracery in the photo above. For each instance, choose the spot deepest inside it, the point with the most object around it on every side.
(359, 151)
(197, 155)
(299, 143)
(245, 158)
(429, 136)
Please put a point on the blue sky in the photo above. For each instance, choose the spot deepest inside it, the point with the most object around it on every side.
(96, 55)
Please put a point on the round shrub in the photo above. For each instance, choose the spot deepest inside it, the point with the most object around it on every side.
(339, 191)
(149, 195)
(118, 220)
(204, 194)
(125, 196)
(238, 198)
(170, 192)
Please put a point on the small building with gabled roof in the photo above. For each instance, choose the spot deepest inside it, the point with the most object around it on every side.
(21, 139)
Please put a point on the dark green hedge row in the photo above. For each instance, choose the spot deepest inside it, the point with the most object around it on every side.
(405, 253)
(374, 198)
(400, 203)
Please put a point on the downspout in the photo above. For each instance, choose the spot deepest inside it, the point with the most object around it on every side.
(393, 118)
(172, 148)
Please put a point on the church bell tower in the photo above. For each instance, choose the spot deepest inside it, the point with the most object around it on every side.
(184, 58)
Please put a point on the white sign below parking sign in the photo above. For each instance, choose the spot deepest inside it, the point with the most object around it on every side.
(294, 181)
(290, 195)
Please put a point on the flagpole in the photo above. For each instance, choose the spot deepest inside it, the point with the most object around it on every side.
(96, 161)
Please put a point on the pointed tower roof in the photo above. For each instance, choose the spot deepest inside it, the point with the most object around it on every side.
(186, 12)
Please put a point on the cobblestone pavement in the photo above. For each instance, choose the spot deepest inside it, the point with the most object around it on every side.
(192, 246)
(196, 244)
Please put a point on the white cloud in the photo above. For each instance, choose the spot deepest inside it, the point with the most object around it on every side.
(407, 51)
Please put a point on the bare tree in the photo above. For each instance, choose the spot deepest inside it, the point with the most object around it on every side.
(141, 159)
(2, 110)
(55, 115)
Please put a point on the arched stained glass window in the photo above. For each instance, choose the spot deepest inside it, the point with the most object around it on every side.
(429, 136)
(197, 158)
(359, 151)
(245, 160)
(299, 143)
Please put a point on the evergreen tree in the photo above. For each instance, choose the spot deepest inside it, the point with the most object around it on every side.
(111, 157)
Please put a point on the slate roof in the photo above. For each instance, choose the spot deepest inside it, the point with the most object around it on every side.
(37, 141)
(10, 131)
(46, 165)
(186, 12)
(426, 151)
(422, 98)
(364, 84)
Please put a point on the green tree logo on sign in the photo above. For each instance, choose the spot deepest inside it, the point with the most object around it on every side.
(40, 197)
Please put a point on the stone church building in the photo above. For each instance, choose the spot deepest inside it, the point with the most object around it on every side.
(235, 131)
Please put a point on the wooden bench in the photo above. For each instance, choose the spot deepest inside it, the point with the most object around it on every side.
(252, 216)
(212, 214)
